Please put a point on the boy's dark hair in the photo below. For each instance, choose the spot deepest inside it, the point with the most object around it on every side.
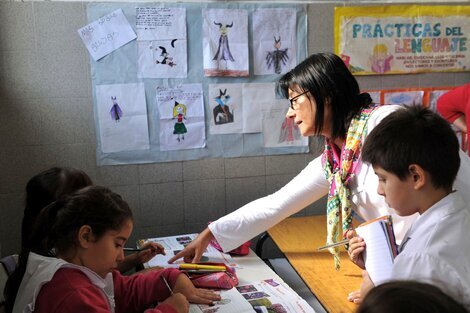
(330, 83)
(46, 187)
(414, 135)
(58, 224)
(409, 297)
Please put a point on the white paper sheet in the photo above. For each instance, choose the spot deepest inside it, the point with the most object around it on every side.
(107, 34)
(181, 111)
(226, 107)
(279, 131)
(225, 42)
(161, 42)
(174, 244)
(274, 41)
(256, 98)
(122, 115)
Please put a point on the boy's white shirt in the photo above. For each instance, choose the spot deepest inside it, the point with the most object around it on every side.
(40, 270)
(436, 249)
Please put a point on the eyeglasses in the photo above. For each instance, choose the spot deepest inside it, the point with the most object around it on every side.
(293, 100)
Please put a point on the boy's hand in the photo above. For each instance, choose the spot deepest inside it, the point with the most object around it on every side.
(356, 247)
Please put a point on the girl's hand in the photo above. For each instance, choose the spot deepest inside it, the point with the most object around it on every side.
(193, 252)
(148, 254)
(356, 247)
(179, 302)
(184, 286)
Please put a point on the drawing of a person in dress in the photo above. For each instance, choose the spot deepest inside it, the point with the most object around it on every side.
(179, 113)
(116, 112)
(380, 60)
(223, 50)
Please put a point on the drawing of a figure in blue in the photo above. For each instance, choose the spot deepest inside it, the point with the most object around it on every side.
(223, 50)
(116, 112)
(221, 111)
(277, 56)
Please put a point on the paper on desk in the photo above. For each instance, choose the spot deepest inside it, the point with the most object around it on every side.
(175, 244)
(107, 34)
(261, 296)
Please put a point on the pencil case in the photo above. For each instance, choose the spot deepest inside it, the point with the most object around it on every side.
(218, 280)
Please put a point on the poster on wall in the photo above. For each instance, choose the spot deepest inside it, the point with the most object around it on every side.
(403, 39)
(181, 111)
(122, 117)
(274, 41)
(225, 42)
(161, 42)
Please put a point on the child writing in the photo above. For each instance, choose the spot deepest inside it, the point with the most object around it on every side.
(77, 244)
(45, 187)
(415, 154)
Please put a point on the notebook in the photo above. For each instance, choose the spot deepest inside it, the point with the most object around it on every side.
(381, 248)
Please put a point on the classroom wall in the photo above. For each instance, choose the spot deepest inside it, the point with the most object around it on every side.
(46, 119)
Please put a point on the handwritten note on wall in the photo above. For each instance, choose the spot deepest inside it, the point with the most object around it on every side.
(107, 34)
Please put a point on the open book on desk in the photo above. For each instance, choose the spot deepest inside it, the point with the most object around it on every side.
(174, 244)
(381, 248)
(262, 296)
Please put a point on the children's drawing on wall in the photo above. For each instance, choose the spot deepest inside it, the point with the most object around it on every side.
(223, 50)
(289, 131)
(161, 42)
(181, 117)
(380, 60)
(179, 113)
(221, 111)
(116, 112)
(414, 97)
(279, 131)
(256, 98)
(122, 132)
(433, 96)
(225, 103)
(225, 42)
(274, 41)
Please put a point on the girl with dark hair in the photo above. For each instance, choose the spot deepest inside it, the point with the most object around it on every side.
(76, 246)
(325, 99)
(51, 184)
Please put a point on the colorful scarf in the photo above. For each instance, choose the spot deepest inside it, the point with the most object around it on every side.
(339, 175)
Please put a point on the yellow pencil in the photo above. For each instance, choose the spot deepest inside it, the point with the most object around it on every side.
(191, 266)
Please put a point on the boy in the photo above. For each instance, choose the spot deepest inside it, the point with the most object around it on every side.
(415, 154)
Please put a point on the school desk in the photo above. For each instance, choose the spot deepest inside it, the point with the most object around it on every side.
(298, 239)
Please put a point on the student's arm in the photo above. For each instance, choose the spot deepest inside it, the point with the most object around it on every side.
(460, 123)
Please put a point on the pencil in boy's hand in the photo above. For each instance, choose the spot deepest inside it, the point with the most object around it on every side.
(339, 243)
(166, 283)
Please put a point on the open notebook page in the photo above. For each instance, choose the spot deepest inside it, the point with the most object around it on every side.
(377, 256)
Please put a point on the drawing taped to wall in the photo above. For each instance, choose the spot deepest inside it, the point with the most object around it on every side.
(274, 28)
(161, 42)
(181, 123)
(225, 42)
(226, 106)
(221, 111)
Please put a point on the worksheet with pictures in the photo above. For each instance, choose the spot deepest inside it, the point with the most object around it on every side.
(174, 244)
